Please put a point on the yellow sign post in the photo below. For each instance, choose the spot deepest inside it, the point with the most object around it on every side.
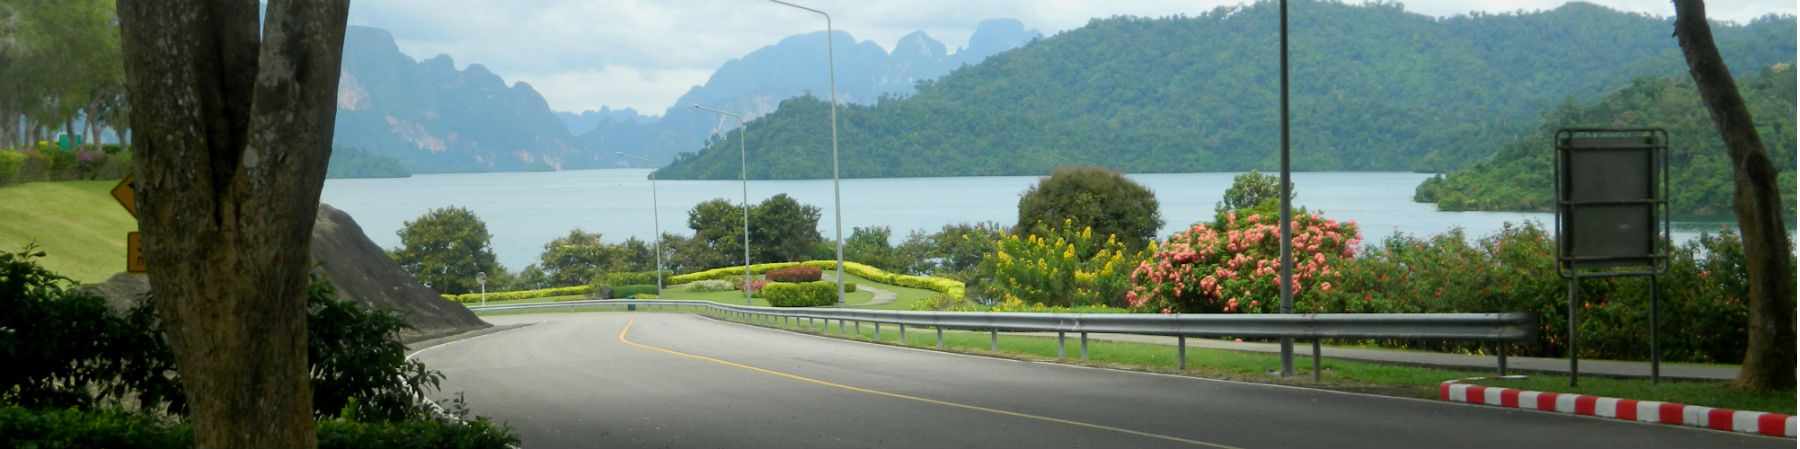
(134, 252)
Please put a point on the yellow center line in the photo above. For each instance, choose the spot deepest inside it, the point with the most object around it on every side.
(628, 325)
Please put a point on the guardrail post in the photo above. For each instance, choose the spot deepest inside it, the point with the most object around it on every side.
(1315, 360)
(1181, 352)
(1502, 352)
(877, 331)
(994, 340)
(903, 334)
(858, 327)
(809, 324)
(1060, 347)
(840, 326)
(940, 332)
(1084, 346)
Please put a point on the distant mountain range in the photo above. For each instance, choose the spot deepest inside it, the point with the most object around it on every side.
(757, 83)
(434, 118)
(1373, 88)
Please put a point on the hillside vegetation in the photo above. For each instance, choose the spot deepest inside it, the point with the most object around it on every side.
(1520, 176)
(1374, 88)
(77, 224)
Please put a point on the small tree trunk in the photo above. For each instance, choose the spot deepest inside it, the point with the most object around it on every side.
(235, 125)
(1769, 357)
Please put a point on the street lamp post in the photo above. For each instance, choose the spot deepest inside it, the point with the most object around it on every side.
(837, 199)
(656, 221)
(743, 175)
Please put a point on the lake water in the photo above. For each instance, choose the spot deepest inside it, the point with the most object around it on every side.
(524, 211)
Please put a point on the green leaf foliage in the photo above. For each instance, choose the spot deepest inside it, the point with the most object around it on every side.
(1701, 178)
(445, 248)
(802, 294)
(1073, 198)
(1373, 88)
(580, 257)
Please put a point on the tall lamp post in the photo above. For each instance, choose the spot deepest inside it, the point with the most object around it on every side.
(655, 220)
(837, 199)
(743, 175)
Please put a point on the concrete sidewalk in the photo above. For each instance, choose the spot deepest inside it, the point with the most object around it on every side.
(1514, 364)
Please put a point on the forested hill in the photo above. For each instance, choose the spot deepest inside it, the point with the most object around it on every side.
(1374, 88)
(1519, 177)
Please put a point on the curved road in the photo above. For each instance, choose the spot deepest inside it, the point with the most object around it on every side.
(677, 380)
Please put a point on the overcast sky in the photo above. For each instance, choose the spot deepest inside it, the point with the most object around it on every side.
(643, 54)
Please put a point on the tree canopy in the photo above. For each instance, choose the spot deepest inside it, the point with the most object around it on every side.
(445, 248)
(1090, 197)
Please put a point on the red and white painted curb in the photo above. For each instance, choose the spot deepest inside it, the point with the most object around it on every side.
(1772, 424)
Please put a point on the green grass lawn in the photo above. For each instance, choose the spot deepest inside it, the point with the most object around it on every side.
(77, 224)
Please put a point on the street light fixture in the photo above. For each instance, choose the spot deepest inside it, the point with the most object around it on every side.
(837, 199)
(655, 220)
(743, 175)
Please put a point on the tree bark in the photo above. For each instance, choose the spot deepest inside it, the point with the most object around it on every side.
(1769, 357)
(234, 131)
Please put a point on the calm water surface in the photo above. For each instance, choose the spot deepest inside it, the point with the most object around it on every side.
(524, 211)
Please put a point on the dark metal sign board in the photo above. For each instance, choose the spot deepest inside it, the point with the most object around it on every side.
(1612, 192)
(1612, 195)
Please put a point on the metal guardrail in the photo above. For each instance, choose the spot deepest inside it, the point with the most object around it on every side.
(1485, 327)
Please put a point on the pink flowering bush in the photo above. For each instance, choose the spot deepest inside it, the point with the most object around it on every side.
(1233, 264)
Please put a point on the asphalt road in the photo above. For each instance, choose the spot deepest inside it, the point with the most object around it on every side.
(678, 380)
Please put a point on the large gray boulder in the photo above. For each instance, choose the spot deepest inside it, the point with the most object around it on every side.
(358, 269)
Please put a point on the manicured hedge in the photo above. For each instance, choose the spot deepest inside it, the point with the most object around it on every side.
(523, 294)
(637, 278)
(795, 274)
(803, 294)
(941, 285)
(639, 291)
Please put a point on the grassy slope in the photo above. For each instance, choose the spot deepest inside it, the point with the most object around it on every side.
(77, 224)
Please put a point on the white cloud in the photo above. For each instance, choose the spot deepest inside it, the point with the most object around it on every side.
(579, 52)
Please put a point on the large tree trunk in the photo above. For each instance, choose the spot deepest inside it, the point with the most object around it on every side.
(234, 131)
(1769, 358)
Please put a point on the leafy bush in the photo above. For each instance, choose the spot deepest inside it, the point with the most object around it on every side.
(69, 427)
(631, 291)
(1233, 264)
(755, 286)
(10, 164)
(1036, 269)
(635, 278)
(1090, 197)
(63, 348)
(711, 285)
(1700, 299)
(795, 274)
(805, 294)
(356, 356)
(453, 429)
(115, 428)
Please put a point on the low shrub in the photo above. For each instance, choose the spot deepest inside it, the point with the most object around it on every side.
(634, 278)
(69, 427)
(804, 294)
(711, 285)
(795, 274)
(467, 298)
(634, 291)
(755, 287)
(116, 428)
